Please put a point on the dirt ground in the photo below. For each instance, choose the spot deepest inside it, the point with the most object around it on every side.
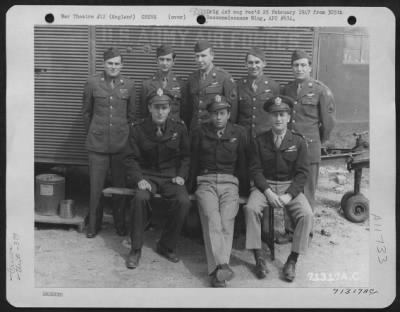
(66, 258)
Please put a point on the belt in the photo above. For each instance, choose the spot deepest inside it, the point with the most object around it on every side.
(213, 171)
(279, 182)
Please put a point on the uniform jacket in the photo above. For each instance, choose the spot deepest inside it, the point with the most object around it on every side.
(313, 114)
(227, 154)
(251, 104)
(107, 113)
(289, 162)
(202, 92)
(148, 154)
(176, 88)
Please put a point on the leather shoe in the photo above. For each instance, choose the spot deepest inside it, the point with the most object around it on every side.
(261, 268)
(133, 259)
(91, 233)
(167, 253)
(289, 270)
(224, 273)
(216, 283)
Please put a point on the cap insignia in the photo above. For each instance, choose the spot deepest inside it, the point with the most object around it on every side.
(160, 92)
(278, 101)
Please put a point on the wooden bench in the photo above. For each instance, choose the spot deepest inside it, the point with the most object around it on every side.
(56, 219)
(109, 191)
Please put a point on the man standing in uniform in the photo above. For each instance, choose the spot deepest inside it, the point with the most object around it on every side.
(313, 114)
(108, 109)
(207, 82)
(219, 167)
(279, 168)
(157, 161)
(165, 79)
(253, 91)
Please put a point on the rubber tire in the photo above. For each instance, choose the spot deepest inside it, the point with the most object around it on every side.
(345, 197)
(356, 208)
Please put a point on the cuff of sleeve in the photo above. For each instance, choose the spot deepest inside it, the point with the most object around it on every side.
(292, 191)
(262, 184)
(133, 180)
(181, 173)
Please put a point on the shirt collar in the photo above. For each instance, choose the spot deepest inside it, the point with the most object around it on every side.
(207, 71)
(282, 134)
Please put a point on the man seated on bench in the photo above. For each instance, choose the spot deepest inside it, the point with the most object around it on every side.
(218, 164)
(157, 161)
(279, 168)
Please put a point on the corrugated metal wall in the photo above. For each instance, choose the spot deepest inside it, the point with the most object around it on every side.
(61, 68)
(65, 53)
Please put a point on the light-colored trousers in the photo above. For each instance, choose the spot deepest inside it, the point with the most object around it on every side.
(311, 185)
(298, 210)
(218, 202)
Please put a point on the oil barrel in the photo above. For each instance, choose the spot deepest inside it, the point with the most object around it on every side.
(49, 192)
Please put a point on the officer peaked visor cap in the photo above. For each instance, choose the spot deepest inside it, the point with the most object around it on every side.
(111, 53)
(160, 99)
(299, 54)
(201, 45)
(165, 49)
(278, 104)
(219, 102)
(256, 52)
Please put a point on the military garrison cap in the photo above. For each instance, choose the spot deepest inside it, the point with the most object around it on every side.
(110, 53)
(299, 54)
(165, 49)
(278, 104)
(219, 102)
(256, 52)
(201, 45)
(159, 98)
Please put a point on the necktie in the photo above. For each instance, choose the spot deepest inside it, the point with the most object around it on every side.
(298, 88)
(254, 86)
(220, 133)
(278, 141)
(164, 82)
(112, 83)
(159, 131)
(203, 75)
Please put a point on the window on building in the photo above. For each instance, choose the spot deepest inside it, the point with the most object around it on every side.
(356, 49)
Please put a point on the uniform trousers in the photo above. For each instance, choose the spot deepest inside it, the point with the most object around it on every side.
(99, 164)
(218, 203)
(309, 191)
(298, 210)
(177, 205)
(311, 185)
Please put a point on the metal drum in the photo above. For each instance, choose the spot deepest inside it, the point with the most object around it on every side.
(67, 209)
(49, 192)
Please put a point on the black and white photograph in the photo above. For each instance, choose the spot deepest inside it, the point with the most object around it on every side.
(181, 149)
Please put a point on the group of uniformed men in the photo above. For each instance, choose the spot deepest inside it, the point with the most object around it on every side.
(212, 137)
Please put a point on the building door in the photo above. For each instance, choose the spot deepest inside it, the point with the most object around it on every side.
(343, 65)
